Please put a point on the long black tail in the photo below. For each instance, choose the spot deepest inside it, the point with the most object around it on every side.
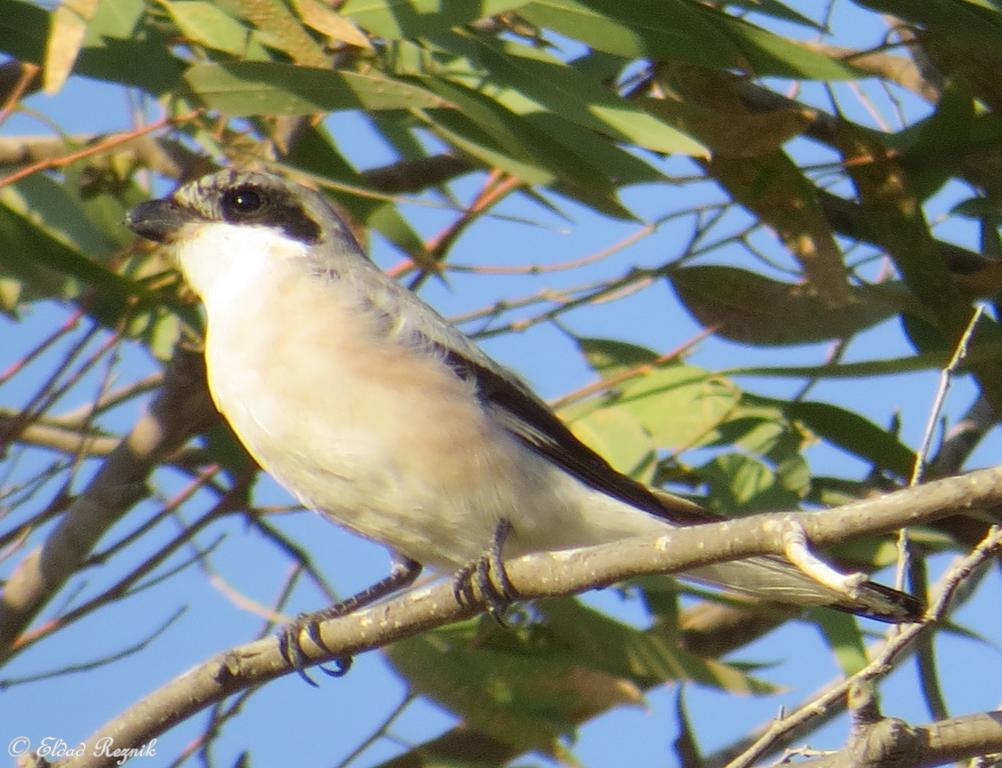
(882, 603)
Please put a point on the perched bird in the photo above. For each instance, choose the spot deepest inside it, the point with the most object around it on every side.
(372, 409)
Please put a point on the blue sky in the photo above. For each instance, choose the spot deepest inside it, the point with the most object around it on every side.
(318, 726)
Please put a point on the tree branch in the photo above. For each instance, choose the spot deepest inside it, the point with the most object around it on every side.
(181, 406)
(856, 687)
(538, 575)
(892, 743)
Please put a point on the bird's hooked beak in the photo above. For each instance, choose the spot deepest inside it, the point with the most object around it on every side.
(158, 220)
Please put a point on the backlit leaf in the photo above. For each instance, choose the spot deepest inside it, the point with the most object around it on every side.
(254, 88)
(750, 308)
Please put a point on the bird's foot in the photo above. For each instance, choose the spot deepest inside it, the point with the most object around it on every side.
(497, 592)
(291, 648)
(402, 574)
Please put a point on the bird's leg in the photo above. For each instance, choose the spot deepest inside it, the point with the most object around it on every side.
(498, 592)
(402, 574)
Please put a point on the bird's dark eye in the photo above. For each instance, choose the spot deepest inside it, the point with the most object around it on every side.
(242, 202)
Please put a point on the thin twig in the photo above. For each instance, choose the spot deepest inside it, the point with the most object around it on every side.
(382, 730)
(918, 470)
(96, 149)
(882, 663)
(945, 379)
(86, 666)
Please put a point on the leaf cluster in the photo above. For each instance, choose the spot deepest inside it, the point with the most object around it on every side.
(797, 186)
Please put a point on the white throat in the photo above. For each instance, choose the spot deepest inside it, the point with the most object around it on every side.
(222, 261)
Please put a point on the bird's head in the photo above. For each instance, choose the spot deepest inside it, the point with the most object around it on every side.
(234, 223)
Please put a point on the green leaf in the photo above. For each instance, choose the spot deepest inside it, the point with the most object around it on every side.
(610, 357)
(24, 30)
(752, 309)
(578, 157)
(119, 36)
(777, 10)
(456, 130)
(978, 26)
(739, 483)
(932, 150)
(163, 335)
(207, 24)
(978, 208)
(600, 66)
(887, 367)
(728, 130)
(770, 54)
(103, 198)
(620, 439)
(528, 81)
(398, 131)
(684, 32)
(115, 41)
(947, 129)
(394, 19)
(481, 128)
(632, 29)
(678, 405)
(871, 554)
(258, 88)
(50, 206)
(116, 20)
(280, 29)
(502, 139)
(855, 434)
(585, 163)
(517, 694)
(764, 429)
(224, 448)
(51, 269)
(841, 633)
(596, 641)
(318, 16)
(759, 424)
(781, 196)
(527, 686)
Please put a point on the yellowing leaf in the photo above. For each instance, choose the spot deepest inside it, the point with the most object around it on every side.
(283, 30)
(69, 25)
(329, 22)
(778, 192)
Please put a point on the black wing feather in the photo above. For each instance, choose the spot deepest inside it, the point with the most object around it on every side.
(532, 422)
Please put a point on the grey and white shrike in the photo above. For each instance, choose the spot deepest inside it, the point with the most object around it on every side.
(370, 408)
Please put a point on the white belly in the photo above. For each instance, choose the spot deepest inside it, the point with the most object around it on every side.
(387, 441)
